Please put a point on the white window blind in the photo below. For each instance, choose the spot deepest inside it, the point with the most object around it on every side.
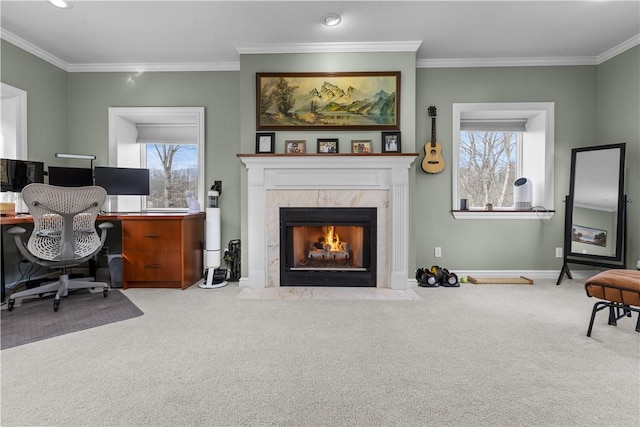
(494, 125)
(167, 133)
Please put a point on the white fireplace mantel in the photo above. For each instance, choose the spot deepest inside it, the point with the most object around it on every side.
(357, 173)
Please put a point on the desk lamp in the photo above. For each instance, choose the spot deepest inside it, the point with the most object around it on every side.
(91, 157)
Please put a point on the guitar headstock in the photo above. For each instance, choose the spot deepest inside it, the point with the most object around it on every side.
(432, 111)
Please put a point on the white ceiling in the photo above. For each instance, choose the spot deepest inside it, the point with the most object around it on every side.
(210, 35)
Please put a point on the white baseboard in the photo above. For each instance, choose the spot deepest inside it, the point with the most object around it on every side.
(412, 283)
(530, 274)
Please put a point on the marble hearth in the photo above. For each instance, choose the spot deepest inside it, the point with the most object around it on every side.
(377, 180)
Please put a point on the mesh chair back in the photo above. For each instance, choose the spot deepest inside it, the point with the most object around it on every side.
(64, 221)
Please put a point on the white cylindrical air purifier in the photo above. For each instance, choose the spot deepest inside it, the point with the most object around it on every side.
(212, 242)
(522, 193)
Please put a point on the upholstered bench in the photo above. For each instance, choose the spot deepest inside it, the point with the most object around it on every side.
(619, 290)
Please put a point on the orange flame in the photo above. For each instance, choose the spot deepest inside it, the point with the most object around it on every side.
(332, 238)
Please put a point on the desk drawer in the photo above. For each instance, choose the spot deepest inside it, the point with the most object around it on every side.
(152, 266)
(158, 235)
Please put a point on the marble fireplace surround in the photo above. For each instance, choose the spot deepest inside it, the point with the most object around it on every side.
(329, 180)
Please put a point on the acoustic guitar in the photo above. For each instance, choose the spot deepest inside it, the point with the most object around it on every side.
(433, 161)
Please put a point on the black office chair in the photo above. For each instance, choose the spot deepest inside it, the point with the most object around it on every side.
(64, 235)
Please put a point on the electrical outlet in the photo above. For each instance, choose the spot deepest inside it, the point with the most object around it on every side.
(437, 252)
(558, 252)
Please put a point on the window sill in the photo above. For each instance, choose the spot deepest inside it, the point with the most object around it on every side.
(502, 214)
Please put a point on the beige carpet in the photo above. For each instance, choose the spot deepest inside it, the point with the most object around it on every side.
(329, 293)
(468, 356)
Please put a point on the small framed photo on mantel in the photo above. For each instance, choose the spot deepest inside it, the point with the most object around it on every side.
(391, 142)
(327, 145)
(295, 146)
(361, 146)
(265, 142)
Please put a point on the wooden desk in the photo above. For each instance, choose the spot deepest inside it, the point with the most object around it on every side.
(159, 250)
(162, 250)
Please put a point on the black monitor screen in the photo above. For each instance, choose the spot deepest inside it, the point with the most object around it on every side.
(123, 181)
(16, 174)
(70, 177)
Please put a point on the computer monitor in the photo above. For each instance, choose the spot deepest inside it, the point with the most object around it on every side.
(16, 174)
(70, 177)
(122, 181)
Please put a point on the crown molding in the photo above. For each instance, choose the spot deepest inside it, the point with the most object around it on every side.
(622, 47)
(504, 62)
(151, 67)
(33, 49)
(96, 68)
(363, 47)
(530, 62)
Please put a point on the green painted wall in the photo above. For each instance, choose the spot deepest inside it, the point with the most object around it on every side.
(91, 95)
(499, 244)
(618, 119)
(336, 62)
(47, 106)
(593, 105)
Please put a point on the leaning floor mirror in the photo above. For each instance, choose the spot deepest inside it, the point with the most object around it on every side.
(595, 228)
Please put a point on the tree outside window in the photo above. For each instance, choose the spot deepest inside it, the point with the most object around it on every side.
(487, 167)
(173, 170)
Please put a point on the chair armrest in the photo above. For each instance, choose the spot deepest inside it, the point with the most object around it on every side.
(17, 232)
(104, 226)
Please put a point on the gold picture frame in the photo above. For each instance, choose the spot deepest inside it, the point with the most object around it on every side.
(350, 100)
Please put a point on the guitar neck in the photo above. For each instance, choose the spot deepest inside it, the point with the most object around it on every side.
(433, 131)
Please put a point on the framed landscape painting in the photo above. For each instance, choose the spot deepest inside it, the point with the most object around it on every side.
(358, 100)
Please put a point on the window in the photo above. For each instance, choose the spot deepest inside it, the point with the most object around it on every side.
(488, 166)
(169, 141)
(494, 145)
(173, 170)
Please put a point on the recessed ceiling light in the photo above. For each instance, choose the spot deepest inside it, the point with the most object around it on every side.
(331, 19)
(62, 4)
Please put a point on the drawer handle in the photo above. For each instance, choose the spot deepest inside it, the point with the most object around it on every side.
(151, 235)
(152, 266)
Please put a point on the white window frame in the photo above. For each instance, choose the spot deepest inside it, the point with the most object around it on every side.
(16, 100)
(125, 151)
(14, 131)
(541, 117)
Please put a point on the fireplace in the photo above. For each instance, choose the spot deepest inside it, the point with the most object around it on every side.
(276, 181)
(328, 246)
